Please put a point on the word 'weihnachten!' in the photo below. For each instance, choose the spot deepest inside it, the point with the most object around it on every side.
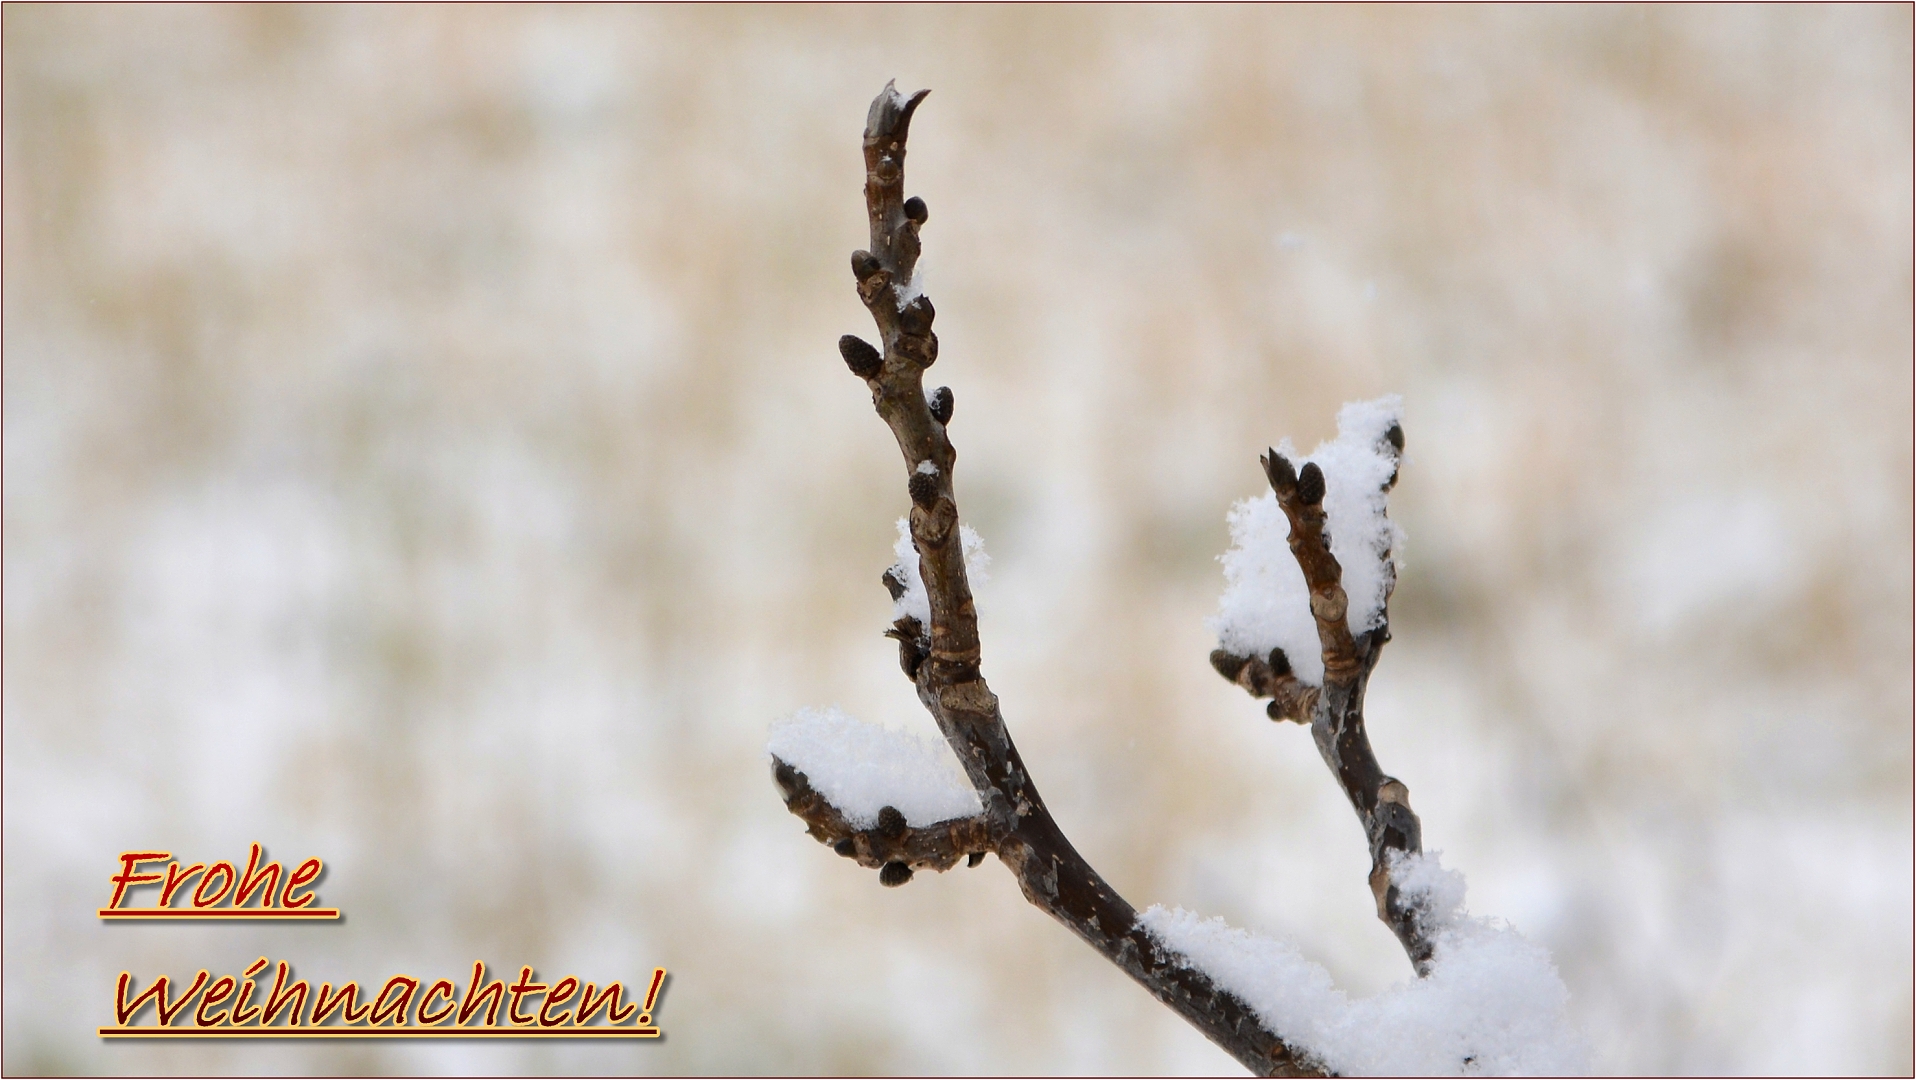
(241, 1007)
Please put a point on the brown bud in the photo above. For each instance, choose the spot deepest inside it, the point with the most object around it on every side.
(1395, 436)
(912, 644)
(1277, 469)
(865, 264)
(1310, 484)
(1227, 664)
(894, 584)
(786, 777)
(891, 823)
(941, 403)
(917, 316)
(1280, 664)
(860, 356)
(915, 210)
(847, 847)
(924, 489)
(894, 874)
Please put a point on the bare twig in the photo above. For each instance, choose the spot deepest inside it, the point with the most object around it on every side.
(943, 659)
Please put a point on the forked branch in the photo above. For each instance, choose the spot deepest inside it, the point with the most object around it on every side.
(1335, 711)
(943, 661)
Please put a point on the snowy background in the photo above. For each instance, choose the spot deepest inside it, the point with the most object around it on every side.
(426, 449)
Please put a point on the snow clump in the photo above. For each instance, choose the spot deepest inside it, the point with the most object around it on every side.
(1493, 1004)
(1265, 604)
(862, 768)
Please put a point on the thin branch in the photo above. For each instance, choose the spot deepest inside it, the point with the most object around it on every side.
(1336, 711)
(890, 845)
(943, 659)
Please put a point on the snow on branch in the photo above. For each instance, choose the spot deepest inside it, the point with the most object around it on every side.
(1266, 604)
(1491, 1005)
(862, 768)
(1303, 627)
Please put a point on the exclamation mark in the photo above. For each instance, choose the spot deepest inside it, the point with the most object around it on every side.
(651, 999)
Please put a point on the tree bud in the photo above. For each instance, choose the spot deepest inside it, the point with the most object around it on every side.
(891, 823)
(916, 318)
(860, 356)
(1310, 484)
(1277, 468)
(924, 489)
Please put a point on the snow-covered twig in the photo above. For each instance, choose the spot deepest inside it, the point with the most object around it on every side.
(941, 655)
(1364, 463)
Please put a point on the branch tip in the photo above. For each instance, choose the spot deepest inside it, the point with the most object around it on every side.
(890, 114)
(1278, 470)
(1228, 664)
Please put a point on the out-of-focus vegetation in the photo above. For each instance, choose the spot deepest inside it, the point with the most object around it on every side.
(426, 449)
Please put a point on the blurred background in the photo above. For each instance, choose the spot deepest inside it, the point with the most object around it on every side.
(426, 450)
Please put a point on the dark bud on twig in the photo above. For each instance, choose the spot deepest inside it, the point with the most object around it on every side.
(1228, 665)
(1395, 436)
(1277, 469)
(846, 847)
(892, 584)
(1310, 484)
(974, 858)
(917, 316)
(894, 874)
(860, 356)
(1275, 710)
(941, 403)
(915, 210)
(924, 489)
(913, 645)
(785, 777)
(891, 823)
(1280, 664)
(865, 264)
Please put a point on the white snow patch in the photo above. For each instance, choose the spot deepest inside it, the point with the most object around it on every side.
(914, 288)
(1492, 1005)
(913, 601)
(862, 768)
(1265, 604)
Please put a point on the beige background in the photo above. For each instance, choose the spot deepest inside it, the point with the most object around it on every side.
(425, 449)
